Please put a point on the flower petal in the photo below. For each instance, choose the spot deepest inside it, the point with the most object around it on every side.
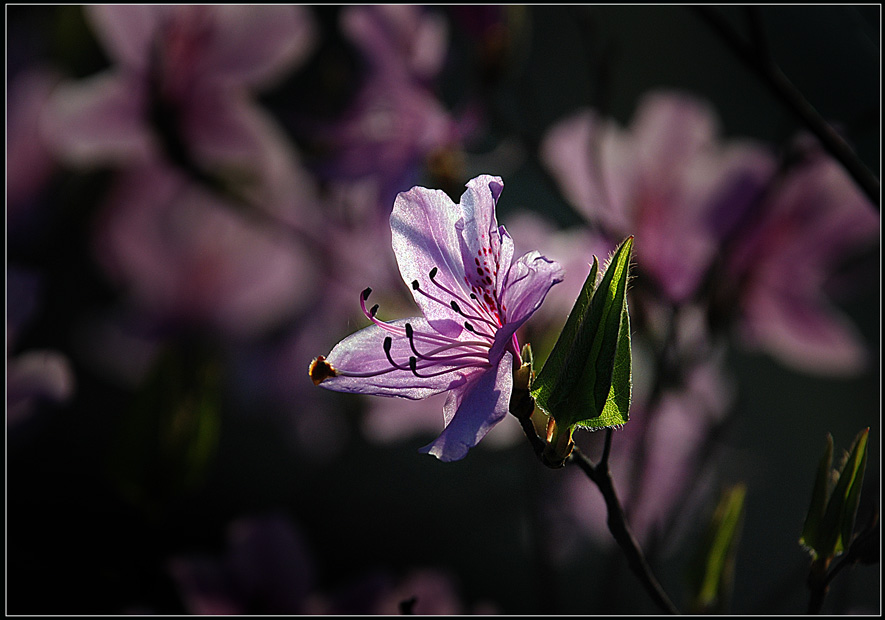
(256, 44)
(363, 353)
(424, 237)
(527, 283)
(478, 226)
(99, 120)
(473, 410)
(127, 31)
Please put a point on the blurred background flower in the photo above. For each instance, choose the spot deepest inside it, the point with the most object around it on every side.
(197, 196)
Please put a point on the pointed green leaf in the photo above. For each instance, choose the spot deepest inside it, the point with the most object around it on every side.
(714, 573)
(837, 524)
(857, 462)
(819, 495)
(575, 386)
(617, 406)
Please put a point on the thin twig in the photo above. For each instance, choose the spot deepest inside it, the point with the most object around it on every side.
(617, 525)
(777, 81)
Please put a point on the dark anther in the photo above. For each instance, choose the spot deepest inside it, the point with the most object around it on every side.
(469, 327)
(366, 293)
(433, 273)
(474, 297)
(455, 307)
(409, 331)
(373, 310)
(388, 342)
(413, 365)
(415, 285)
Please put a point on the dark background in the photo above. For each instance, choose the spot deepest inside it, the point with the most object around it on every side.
(76, 545)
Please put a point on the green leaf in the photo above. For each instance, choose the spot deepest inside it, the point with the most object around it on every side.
(819, 494)
(586, 380)
(857, 461)
(714, 574)
(832, 533)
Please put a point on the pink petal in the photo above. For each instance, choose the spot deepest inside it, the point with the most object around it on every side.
(425, 237)
(256, 44)
(99, 120)
(472, 410)
(363, 352)
(804, 332)
(28, 161)
(127, 32)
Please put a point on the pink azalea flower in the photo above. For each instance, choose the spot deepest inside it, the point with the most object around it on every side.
(180, 88)
(29, 164)
(266, 569)
(395, 122)
(473, 295)
(187, 257)
(698, 205)
(661, 180)
(33, 376)
(813, 219)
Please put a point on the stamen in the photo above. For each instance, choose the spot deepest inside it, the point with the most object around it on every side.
(388, 343)
(320, 370)
(373, 310)
(479, 306)
(366, 293)
(413, 366)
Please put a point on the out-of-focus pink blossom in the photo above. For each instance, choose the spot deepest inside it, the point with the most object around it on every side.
(422, 591)
(33, 375)
(266, 569)
(658, 180)
(185, 255)
(180, 89)
(812, 219)
(717, 222)
(654, 462)
(395, 121)
(29, 163)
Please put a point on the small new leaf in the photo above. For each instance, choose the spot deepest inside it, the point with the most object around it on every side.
(715, 561)
(828, 530)
(819, 495)
(587, 381)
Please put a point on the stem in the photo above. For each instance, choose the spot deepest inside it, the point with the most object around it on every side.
(617, 525)
(780, 84)
(818, 584)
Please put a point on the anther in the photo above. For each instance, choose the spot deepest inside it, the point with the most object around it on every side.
(373, 310)
(415, 285)
(433, 273)
(469, 327)
(366, 293)
(409, 331)
(413, 365)
(388, 343)
(455, 307)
